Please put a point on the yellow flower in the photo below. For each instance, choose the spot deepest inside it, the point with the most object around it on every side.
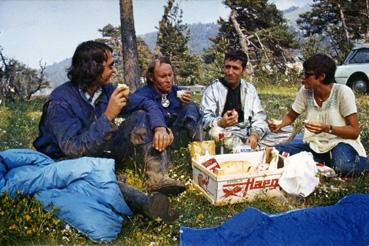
(29, 232)
(13, 227)
(200, 216)
(27, 217)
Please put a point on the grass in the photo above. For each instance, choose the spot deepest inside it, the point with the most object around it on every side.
(22, 220)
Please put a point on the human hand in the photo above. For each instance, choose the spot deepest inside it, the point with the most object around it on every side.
(162, 138)
(275, 125)
(117, 101)
(230, 118)
(184, 96)
(252, 141)
(316, 127)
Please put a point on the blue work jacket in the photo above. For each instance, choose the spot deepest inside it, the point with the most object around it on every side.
(71, 127)
(176, 112)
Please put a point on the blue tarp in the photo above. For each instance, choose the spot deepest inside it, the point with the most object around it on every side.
(345, 223)
(84, 190)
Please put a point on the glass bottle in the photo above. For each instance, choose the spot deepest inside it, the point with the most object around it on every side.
(221, 142)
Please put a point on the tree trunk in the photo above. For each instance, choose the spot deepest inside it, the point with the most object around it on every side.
(344, 25)
(162, 25)
(367, 23)
(243, 40)
(129, 45)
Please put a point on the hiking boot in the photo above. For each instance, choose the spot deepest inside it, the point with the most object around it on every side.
(154, 206)
(157, 173)
(167, 186)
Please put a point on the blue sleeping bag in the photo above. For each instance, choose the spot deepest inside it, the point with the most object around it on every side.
(84, 190)
(345, 223)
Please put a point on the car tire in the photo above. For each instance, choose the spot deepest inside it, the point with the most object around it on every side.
(359, 84)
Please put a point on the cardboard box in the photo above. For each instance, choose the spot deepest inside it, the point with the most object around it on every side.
(233, 185)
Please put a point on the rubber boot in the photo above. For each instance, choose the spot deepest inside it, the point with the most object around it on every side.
(155, 205)
(156, 165)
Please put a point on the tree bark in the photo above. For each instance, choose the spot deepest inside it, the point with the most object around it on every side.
(367, 14)
(344, 25)
(129, 45)
(243, 40)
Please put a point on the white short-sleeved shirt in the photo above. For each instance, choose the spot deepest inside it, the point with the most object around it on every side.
(340, 103)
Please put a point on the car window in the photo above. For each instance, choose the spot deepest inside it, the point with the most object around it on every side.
(361, 56)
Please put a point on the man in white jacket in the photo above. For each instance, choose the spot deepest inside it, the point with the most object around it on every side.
(231, 105)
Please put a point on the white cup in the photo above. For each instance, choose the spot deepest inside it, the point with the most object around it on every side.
(180, 93)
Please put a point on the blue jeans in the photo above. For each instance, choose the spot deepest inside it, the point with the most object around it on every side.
(186, 126)
(345, 159)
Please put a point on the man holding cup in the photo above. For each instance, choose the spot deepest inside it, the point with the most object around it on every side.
(181, 114)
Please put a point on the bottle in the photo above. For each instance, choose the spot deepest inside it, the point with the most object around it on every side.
(221, 142)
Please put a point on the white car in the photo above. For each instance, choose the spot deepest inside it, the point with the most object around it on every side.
(355, 69)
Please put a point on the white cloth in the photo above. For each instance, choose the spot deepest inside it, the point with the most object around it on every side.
(298, 176)
(340, 103)
(212, 106)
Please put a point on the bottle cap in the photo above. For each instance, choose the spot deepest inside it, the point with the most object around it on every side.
(221, 136)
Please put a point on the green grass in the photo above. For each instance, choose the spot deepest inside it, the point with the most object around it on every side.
(22, 221)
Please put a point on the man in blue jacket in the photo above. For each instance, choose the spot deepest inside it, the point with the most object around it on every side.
(180, 113)
(78, 119)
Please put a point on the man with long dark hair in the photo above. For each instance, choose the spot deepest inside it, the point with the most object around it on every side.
(78, 119)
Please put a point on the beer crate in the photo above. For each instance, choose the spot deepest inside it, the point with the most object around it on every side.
(239, 186)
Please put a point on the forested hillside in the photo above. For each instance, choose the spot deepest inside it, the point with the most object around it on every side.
(200, 35)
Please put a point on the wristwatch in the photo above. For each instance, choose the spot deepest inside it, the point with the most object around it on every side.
(330, 129)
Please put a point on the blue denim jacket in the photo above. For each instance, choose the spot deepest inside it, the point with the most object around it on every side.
(176, 113)
(72, 127)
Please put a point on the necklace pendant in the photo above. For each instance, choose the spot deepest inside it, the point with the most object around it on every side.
(165, 101)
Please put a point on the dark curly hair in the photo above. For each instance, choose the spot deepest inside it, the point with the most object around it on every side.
(234, 55)
(319, 64)
(151, 67)
(87, 63)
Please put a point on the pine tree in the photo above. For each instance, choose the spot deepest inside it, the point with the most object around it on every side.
(172, 41)
(256, 27)
(338, 23)
(19, 82)
(111, 36)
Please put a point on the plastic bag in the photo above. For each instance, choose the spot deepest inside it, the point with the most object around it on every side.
(299, 175)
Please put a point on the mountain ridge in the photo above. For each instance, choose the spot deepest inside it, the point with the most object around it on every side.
(199, 40)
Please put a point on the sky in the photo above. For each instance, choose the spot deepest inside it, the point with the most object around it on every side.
(50, 30)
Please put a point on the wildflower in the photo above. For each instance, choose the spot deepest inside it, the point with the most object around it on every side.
(29, 232)
(200, 216)
(138, 234)
(65, 238)
(13, 227)
(27, 217)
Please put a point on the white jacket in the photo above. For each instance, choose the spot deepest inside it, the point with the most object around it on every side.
(214, 99)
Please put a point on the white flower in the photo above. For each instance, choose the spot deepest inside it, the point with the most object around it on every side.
(65, 238)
